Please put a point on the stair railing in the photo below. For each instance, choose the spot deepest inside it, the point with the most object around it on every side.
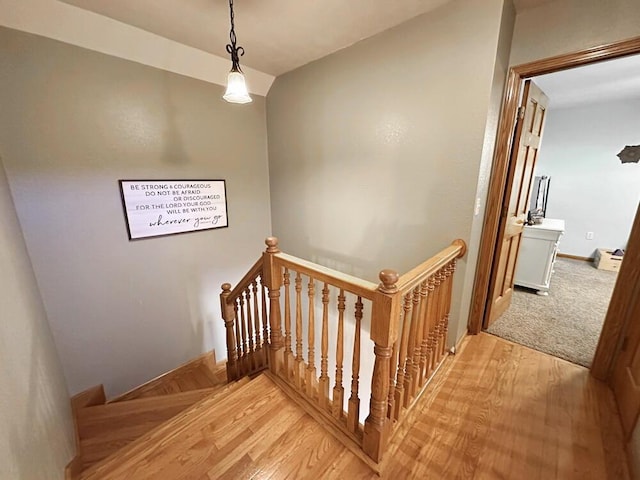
(407, 317)
(244, 311)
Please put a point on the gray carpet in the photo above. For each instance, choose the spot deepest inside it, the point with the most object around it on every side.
(567, 323)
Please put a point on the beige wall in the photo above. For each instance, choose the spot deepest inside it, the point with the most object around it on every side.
(72, 123)
(36, 429)
(567, 26)
(375, 151)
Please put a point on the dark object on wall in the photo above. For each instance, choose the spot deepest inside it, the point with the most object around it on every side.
(630, 154)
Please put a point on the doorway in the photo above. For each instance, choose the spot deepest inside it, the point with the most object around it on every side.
(614, 324)
(580, 198)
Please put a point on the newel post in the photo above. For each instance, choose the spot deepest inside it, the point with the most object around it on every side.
(229, 317)
(272, 275)
(384, 331)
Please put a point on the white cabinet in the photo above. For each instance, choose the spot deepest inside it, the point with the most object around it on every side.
(538, 249)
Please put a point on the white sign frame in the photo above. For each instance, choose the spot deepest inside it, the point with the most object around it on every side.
(157, 208)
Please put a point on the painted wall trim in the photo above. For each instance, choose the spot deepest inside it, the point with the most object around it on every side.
(73, 25)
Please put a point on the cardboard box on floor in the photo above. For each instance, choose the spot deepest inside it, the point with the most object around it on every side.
(606, 261)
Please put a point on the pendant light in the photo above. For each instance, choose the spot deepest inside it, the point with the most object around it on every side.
(236, 87)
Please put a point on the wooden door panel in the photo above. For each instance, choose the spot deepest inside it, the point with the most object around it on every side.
(506, 271)
(527, 181)
(626, 372)
(511, 262)
(624, 314)
(538, 122)
(634, 368)
(518, 179)
(524, 155)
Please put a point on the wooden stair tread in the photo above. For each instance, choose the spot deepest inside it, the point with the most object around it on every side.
(104, 429)
(140, 409)
(220, 437)
(113, 445)
(201, 372)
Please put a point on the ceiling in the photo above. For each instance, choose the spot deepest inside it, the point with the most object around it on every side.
(599, 82)
(278, 35)
(281, 35)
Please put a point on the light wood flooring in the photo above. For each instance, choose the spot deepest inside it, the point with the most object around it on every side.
(502, 412)
(509, 412)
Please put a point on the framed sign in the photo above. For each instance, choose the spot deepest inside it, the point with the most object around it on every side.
(154, 208)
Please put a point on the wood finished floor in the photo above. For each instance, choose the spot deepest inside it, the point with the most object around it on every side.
(503, 412)
(509, 412)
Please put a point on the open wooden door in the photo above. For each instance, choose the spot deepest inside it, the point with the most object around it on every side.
(624, 313)
(526, 142)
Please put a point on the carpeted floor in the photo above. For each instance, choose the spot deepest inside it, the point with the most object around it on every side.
(567, 323)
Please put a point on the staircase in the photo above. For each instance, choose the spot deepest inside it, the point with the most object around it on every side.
(268, 411)
(204, 434)
(104, 429)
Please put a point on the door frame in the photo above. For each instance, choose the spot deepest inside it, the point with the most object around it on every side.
(613, 328)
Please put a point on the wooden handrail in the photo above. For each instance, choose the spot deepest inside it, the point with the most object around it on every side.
(355, 285)
(246, 280)
(416, 275)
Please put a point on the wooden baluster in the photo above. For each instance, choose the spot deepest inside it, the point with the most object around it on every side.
(243, 332)
(273, 277)
(311, 379)
(402, 357)
(323, 383)
(441, 316)
(443, 297)
(265, 323)
(411, 369)
(240, 366)
(256, 319)
(338, 389)
(299, 367)
(431, 313)
(424, 319)
(453, 271)
(436, 319)
(229, 319)
(288, 353)
(251, 360)
(417, 343)
(386, 306)
(449, 271)
(353, 412)
(392, 381)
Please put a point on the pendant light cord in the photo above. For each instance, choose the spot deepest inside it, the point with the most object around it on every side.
(235, 52)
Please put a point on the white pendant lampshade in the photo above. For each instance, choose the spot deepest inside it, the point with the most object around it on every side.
(236, 88)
